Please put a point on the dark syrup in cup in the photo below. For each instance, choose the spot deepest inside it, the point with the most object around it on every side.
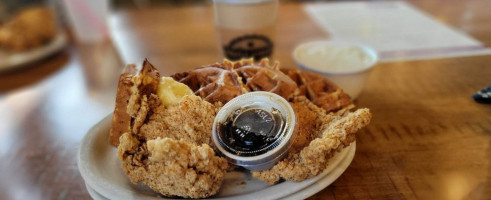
(250, 132)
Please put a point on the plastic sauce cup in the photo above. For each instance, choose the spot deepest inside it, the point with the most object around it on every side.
(254, 130)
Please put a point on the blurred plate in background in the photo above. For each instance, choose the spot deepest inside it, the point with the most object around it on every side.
(10, 60)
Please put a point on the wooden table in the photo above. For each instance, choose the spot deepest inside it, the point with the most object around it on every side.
(427, 139)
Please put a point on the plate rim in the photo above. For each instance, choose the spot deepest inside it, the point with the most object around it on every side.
(94, 194)
(18, 59)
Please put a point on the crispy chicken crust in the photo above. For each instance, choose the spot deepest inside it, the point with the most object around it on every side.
(167, 147)
(310, 120)
(172, 167)
(338, 131)
(191, 120)
(180, 164)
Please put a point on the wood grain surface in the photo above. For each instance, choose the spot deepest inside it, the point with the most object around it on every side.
(428, 139)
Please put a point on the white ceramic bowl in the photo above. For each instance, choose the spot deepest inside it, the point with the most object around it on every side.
(346, 64)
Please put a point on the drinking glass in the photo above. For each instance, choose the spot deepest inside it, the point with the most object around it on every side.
(245, 28)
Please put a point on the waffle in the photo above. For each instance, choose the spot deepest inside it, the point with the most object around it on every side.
(214, 83)
(226, 80)
(321, 91)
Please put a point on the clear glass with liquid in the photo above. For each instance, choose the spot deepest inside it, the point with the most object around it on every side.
(246, 28)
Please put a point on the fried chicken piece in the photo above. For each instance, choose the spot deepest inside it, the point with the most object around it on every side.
(166, 145)
(172, 167)
(337, 132)
(310, 119)
(30, 28)
(191, 120)
(180, 164)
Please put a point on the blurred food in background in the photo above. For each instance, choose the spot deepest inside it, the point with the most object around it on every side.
(30, 28)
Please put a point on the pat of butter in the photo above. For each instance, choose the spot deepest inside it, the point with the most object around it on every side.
(170, 91)
(333, 58)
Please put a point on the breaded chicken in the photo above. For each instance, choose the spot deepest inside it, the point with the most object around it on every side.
(172, 167)
(167, 146)
(180, 164)
(338, 131)
(191, 120)
(310, 120)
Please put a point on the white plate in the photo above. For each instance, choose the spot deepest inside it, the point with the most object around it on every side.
(94, 194)
(101, 170)
(9, 60)
(302, 194)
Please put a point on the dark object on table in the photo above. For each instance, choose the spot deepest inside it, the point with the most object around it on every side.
(249, 46)
(483, 96)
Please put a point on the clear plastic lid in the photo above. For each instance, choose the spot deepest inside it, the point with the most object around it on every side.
(254, 130)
